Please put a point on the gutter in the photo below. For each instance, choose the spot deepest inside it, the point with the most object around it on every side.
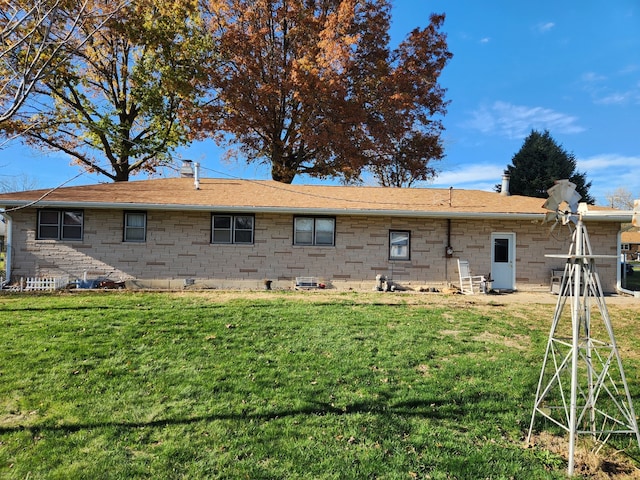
(621, 216)
(286, 210)
(7, 260)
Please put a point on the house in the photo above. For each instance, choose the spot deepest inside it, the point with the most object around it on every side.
(630, 244)
(240, 233)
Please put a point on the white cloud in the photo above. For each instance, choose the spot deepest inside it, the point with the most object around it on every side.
(629, 69)
(616, 98)
(485, 40)
(592, 77)
(473, 176)
(607, 172)
(610, 161)
(608, 90)
(545, 27)
(517, 121)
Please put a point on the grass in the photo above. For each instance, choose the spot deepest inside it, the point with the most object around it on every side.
(275, 386)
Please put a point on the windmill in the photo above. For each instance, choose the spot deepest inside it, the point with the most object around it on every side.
(582, 387)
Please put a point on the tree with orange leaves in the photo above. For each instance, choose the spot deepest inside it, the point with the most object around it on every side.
(113, 99)
(403, 118)
(312, 87)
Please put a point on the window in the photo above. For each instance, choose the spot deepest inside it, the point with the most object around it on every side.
(60, 224)
(314, 231)
(625, 247)
(399, 242)
(232, 229)
(501, 250)
(135, 226)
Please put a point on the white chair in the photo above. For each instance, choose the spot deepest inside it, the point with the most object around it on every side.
(470, 284)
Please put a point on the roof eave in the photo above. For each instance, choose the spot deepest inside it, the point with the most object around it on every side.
(283, 210)
(618, 216)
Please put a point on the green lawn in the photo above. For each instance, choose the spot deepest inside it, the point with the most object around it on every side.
(119, 385)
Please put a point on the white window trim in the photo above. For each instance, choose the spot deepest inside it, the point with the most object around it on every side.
(127, 228)
(61, 225)
(314, 242)
(232, 230)
(392, 256)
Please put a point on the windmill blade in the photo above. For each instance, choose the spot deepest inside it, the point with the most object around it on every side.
(573, 200)
(555, 197)
(551, 217)
(565, 191)
(635, 220)
(551, 203)
(562, 203)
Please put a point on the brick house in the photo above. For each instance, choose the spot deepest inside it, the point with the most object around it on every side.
(239, 233)
(630, 242)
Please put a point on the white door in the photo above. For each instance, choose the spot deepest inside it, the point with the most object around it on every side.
(503, 261)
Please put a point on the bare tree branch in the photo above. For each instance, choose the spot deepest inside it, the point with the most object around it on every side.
(33, 39)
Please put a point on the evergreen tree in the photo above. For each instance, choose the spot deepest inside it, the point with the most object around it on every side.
(539, 163)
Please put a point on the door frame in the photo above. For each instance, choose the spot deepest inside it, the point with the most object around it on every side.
(512, 256)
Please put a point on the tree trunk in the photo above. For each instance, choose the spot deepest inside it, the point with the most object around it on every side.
(281, 172)
(121, 173)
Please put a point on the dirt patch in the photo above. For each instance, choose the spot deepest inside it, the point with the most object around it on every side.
(503, 300)
(452, 333)
(13, 419)
(519, 342)
(605, 464)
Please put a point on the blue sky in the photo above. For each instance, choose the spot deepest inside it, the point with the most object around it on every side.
(571, 67)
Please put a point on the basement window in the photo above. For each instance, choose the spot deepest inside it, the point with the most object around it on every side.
(314, 231)
(399, 243)
(135, 226)
(60, 224)
(232, 229)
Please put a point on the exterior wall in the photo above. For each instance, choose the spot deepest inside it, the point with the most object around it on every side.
(178, 248)
(633, 252)
(471, 240)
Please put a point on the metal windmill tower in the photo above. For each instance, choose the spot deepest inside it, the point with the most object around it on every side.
(582, 386)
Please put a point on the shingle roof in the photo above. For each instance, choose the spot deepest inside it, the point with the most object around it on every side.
(267, 195)
(630, 237)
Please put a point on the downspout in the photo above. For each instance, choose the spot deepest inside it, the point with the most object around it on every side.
(448, 253)
(7, 260)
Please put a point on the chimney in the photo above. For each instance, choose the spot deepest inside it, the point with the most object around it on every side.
(186, 170)
(504, 190)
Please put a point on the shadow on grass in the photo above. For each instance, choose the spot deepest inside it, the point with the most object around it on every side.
(269, 304)
(124, 307)
(432, 409)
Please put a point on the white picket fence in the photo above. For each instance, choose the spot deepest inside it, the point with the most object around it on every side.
(43, 283)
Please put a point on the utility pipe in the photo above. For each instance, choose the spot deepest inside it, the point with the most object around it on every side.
(7, 260)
